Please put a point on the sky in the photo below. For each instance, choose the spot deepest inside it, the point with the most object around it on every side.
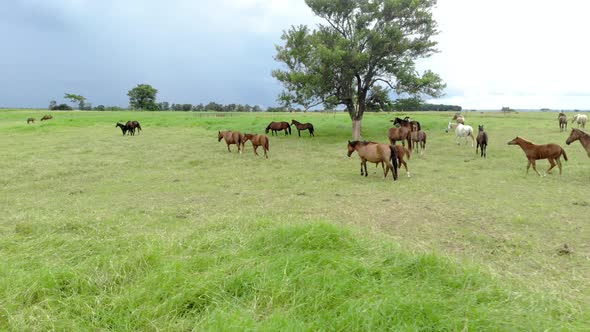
(525, 54)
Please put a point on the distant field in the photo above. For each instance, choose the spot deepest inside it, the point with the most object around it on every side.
(167, 230)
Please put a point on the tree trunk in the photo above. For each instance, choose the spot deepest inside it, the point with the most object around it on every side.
(356, 129)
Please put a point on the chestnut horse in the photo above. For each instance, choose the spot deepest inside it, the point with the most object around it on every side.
(257, 140)
(578, 135)
(232, 137)
(123, 127)
(375, 153)
(131, 125)
(418, 137)
(47, 117)
(534, 152)
(562, 121)
(278, 126)
(401, 152)
(30, 120)
(303, 126)
(403, 133)
(482, 140)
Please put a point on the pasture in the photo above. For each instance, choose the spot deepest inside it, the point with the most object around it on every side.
(168, 231)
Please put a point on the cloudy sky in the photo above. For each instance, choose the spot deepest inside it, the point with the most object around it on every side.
(522, 54)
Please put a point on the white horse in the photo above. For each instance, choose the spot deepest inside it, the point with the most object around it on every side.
(462, 130)
(580, 119)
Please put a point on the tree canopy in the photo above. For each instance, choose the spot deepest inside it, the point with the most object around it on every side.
(361, 45)
(74, 98)
(143, 97)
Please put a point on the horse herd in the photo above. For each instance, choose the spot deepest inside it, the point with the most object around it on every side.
(130, 127)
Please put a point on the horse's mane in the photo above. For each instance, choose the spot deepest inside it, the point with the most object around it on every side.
(525, 140)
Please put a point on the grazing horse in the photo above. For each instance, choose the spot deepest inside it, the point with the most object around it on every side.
(578, 135)
(30, 120)
(580, 119)
(562, 121)
(482, 140)
(303, 126)
(258, 140)
(404, 132)
(131, 125)
(459, 118)
(408, 120)
(47, 117)
(375, 153)
(418, 138)
(278, 126)
(232, 137)
(123, 127)
(534, 152)
(462, 130)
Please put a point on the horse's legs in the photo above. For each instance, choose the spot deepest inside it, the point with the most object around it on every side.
(528, 166)
(265, 150)
(552, 162)
(477, 147)
(255, 147)
(558, 164)
(299, 132)
(365, 163)
(534, 163)
(362, 168)
(403, 162)
(484, 148)
(228, 150)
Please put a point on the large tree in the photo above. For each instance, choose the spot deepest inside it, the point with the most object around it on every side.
(362, 43)
(74, 98)
(143, 97)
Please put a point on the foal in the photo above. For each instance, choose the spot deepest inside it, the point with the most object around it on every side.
(534, 152)
(232, 137)
(257, 140)
(482, 140)
(123, 127)
(418, 137)
(584, 139)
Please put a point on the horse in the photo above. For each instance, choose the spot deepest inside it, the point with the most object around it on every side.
(258, 140)
(375, 153)
(278, 126)
(131, 125)
(408, 120)
(580, 119)
(30, 120)
(123, 127)
(462, 130)
(451, 126)
(402, 133)
(47, 117)
(418, 138)
(232, 137)
(578, 135)
(303, 126)
(534, 152)
(562, 121)
(459, 118)
(401, 152)
(482, 140)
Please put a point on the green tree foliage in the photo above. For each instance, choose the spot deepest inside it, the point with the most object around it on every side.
(362, 42)
(378, 99)
(441, 107)
(74, 98)
(52, 105)
(143, 97)
(407, 104)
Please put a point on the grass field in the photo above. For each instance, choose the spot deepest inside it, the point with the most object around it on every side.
(169, 231)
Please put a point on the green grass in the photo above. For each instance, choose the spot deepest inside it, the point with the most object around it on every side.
(168, 231)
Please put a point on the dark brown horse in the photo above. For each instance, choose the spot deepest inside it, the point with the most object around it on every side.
(408, 120)
(534, 152)
(418, 138)
(278, 126)
(131, 126)
(562, 121)
(47, 117)
(123, 127)
(303, 126)
(375, 153)
(232, 137)
(482, 140)
(578, 135)
(403, 133)
(258, 140)
(29, 120)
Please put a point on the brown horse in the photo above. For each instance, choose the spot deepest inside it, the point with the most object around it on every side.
(29, 120)
(131, 126)
(459, 118)
(401, 152)
(258, 140)
(278, 126)
(578, 135)
(418, 138)
(232, 137)
(534, 152)
(47, 117)
(303, 126)
(562, 121)
(402, 133)
(482, 140)
(123, 127)
(375, 153)
(407, 120)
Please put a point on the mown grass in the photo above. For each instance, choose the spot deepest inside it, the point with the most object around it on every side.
(166, 230)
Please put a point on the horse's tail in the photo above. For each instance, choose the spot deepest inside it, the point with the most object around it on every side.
(394, 160)
(564, 155)
(138, 126)
(311, 130)
(266, 145)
